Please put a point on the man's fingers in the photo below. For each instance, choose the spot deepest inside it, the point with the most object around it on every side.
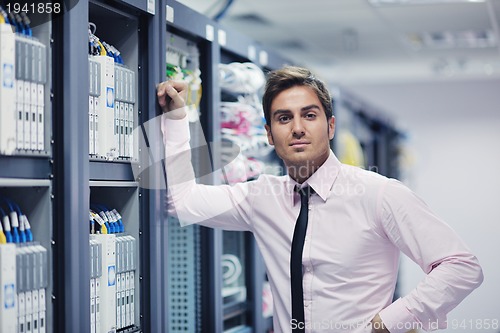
(174, 95)
(173, 90)
(180, 86)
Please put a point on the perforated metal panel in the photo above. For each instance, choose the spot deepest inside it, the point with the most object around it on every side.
(183, 278)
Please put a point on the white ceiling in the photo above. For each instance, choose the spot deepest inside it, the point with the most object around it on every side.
(352, 41)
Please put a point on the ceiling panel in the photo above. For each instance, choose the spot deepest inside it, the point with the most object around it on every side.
(354, 38)
(458, 16)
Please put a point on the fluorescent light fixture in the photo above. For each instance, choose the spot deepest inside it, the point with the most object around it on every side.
(419, 2)
(465, 39)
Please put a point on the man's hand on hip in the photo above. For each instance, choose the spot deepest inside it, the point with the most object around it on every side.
(378, 325)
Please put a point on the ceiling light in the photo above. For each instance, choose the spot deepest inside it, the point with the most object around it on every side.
(452, 39)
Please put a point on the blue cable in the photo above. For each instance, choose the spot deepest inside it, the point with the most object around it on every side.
(20, 24)
(15, 229)
(119, 220)
(98, 208)
(112, 225)
(13, 22)
(29, 234)
(22, 231)
(27, 22)
(111, 215)
(5, 16)
(25, 234)
(117, 226)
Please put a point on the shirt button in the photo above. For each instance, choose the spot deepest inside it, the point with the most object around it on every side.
(307, 304)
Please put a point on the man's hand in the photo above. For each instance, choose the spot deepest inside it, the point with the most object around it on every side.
(172, 98)
(378, 325)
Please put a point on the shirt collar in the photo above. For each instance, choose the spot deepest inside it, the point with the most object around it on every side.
(321, 181)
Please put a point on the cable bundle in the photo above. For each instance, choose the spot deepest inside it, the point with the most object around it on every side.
(182, 66)
(241, 78)
(19, 21)
(104, 220)
(22, 92)
(16, 227)
(112, 102)
(242, 122)
(98, 47)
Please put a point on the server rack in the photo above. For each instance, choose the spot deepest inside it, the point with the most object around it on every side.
(82, 180)
(378, 137)
(26, 173)
(200, 31)
(247, 314)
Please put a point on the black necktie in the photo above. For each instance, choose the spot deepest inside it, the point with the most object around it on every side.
(299, 236)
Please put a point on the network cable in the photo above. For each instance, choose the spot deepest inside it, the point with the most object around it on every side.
(12, 21)
(119, 218)
(27, 23)
(25, 234)
(27, 227)
(19, 219)
(100, 222)
(14, 221)
(98, 47)
(20, 24)
(4, 19)
(112, 221)
(17, 22)
(98, 211)
(113, 52)
(24, 225)
(112, 217)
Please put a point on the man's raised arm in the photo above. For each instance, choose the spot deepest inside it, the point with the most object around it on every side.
(220, 206)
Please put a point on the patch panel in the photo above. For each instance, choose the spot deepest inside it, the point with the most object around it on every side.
(23, 76)
(112, 99)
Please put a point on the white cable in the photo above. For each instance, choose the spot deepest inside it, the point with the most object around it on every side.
(92, 25)
(244, 78)
(234, 269)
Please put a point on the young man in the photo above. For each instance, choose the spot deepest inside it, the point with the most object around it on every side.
(357, 222)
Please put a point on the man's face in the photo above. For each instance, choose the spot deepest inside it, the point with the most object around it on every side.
(299, 129)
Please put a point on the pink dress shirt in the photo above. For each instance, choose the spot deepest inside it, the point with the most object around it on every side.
(359, 222)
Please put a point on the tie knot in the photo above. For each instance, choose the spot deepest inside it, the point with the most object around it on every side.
(305, 192)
